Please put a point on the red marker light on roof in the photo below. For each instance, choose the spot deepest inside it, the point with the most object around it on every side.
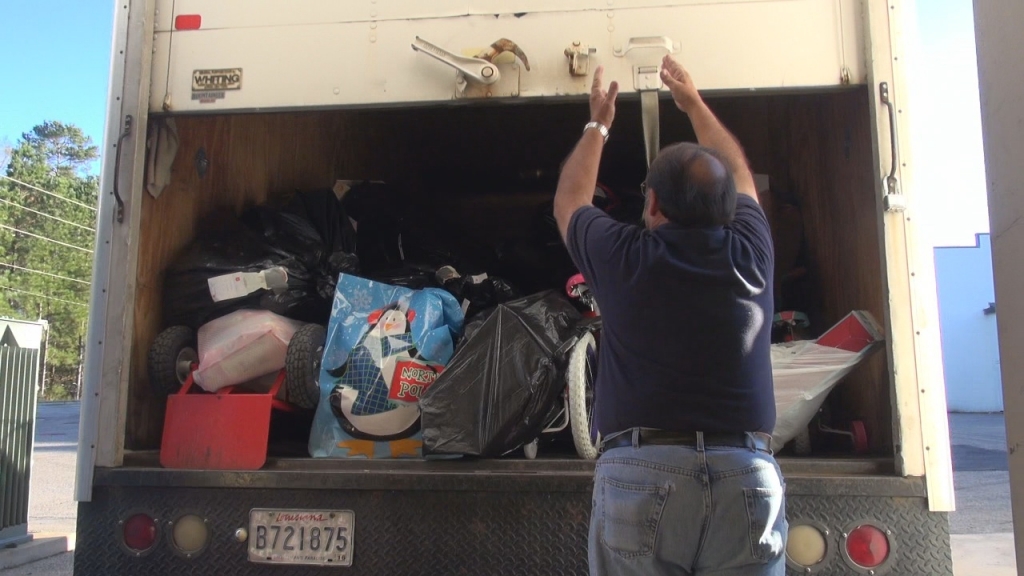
(188, 22)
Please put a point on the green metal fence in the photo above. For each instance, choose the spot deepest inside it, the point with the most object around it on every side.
(20, 376)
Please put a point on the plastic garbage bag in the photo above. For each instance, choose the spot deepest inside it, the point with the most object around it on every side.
(501, 384)
(476, 293)
(310, 239)
(380, 213)
(385, 347)
(241, 347)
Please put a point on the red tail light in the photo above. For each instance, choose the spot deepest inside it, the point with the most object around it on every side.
(139, 532)
(867, 546)
(188, 22)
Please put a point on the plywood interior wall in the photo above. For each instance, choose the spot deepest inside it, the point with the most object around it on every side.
(815, 147)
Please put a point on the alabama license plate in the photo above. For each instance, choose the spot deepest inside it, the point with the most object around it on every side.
(318, 537)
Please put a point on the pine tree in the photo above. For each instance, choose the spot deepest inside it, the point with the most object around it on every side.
(46, 241)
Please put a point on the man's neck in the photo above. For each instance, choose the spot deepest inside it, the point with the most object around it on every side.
(657, 222)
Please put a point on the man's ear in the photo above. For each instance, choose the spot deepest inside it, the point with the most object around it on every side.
(653, 205)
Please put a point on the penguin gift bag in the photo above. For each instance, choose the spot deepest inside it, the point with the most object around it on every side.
(385, 346)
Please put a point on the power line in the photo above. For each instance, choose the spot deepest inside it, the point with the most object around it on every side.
(8, 288)
(5, 201)
(36, 188)
(44, 273)
(45, 238)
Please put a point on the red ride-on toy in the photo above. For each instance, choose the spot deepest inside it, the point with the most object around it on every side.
(228, 429)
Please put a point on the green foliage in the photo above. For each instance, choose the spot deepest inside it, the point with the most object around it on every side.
(55, 157)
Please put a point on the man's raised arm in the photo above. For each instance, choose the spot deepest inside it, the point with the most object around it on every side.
(710, 131)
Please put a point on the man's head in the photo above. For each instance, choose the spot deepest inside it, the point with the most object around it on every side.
(689, 185)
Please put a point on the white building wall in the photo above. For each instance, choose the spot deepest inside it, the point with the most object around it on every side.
(970, 346)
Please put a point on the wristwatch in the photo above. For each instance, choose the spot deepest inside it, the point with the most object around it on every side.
(600, 128)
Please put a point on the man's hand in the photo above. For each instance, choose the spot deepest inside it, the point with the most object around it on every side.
(679, 82)
(579, 174)
(710, 131)
(602, 103)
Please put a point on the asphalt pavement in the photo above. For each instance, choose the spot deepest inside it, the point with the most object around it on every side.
(981, 474)
(52, 506)
(979, 461)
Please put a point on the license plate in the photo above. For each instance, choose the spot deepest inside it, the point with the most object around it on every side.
(318, 537)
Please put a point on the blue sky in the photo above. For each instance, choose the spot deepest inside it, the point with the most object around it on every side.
(56, 60)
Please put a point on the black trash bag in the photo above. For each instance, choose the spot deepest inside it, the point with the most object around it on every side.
(310, 237)
(499, 388)
(410, 275)
(476, 293)
(380, 215)
(314, 229)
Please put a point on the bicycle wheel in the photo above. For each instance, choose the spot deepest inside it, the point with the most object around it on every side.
(580, 380)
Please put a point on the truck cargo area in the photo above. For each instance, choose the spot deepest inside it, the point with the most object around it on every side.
(482, 174)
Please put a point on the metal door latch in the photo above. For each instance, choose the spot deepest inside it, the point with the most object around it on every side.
(478, 76)
(579, 58)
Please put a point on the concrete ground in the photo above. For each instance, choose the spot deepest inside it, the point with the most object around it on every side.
(982, 526)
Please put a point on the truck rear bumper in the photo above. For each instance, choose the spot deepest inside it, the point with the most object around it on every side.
(495, 517)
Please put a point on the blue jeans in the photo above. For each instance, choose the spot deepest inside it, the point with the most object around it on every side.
(704, 511)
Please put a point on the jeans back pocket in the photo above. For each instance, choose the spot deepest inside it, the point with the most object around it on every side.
(629, 516)
(767, 522)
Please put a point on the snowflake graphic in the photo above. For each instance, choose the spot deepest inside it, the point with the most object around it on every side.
(361, 300)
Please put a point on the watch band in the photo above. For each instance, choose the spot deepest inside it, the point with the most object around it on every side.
(600, 128)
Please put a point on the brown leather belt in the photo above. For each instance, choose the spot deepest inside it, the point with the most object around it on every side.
(754, 440)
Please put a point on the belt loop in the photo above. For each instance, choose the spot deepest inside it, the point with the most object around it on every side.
(636, 437)
(751, 442)
(700, 441)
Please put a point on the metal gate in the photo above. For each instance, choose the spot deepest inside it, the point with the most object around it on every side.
(21, 358)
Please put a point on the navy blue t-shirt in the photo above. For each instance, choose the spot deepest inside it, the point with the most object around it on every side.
(687, 315)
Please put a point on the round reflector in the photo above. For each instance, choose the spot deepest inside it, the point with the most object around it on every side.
(867, 546)
(190, 534)
(806, 545)
(139, 532)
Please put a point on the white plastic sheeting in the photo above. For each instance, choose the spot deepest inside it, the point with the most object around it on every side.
(804, 374)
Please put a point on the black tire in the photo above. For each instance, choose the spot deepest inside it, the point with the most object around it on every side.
(170, 358)
(302, 366)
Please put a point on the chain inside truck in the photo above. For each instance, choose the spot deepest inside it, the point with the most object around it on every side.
(464, 111)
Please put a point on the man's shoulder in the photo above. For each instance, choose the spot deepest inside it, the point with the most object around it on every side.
(590, 225)
(747, 206)
(750, 222)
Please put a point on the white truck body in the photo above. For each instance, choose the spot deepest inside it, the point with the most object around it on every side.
(269, 62)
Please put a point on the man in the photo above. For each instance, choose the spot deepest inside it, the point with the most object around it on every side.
(686, 483)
